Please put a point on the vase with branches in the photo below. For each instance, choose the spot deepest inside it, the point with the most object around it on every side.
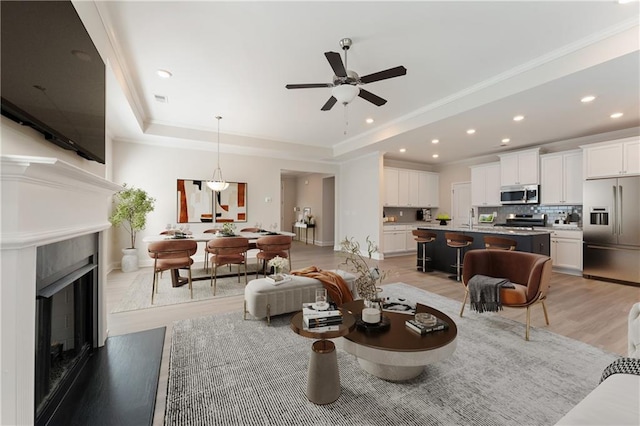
(367, 277)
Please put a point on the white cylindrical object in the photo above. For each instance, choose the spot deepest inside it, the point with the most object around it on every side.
(371, 315)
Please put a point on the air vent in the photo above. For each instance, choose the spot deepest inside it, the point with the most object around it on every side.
(161, 98)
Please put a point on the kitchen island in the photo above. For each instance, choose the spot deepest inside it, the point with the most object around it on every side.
(535, 240)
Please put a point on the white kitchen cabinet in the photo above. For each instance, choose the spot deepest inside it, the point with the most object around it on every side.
(394, 237)
(561, 178)
(612, 159)
(566, 251)
(410, 188)
(391, 182)
(410, 243)
(520, 168)
(485, 185)
(428, 189)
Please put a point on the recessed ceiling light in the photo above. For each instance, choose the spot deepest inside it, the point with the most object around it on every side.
(435, 155)
(506, 140)
(435, 141)
(369, 120)
(403, 149)
(471, 131)
(587, 99)
(164, 73)
(624, 1)
(617, 115)
(518, 118)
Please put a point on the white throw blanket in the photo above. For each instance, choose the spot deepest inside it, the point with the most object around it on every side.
(484, 292)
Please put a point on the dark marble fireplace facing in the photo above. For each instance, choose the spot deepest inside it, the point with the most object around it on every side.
(66, 318)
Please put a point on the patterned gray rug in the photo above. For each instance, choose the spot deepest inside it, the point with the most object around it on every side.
(226, 371)
(138, 295)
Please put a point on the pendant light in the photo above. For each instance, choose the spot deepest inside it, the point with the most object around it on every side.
(217, 183)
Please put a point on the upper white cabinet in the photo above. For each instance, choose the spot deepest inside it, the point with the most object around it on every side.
(410, 188)
(391, 182)
(611, 159)
(520, 168)
(485, 185)
(428, 189)
(561, 178)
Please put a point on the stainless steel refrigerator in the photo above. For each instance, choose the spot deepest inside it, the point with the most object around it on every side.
(611, 225)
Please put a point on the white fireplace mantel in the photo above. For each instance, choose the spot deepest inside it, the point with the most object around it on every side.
(44, 200)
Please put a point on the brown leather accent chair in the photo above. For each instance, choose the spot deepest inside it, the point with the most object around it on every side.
(271, 246)
(227, 251)
(529, 272)
(499, 243)
(171, 254)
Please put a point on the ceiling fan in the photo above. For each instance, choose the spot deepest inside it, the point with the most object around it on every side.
(346, 82)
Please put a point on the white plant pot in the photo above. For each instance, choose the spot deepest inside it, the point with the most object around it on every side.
(129, 260)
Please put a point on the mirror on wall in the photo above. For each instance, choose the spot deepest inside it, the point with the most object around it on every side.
(231, 204)
(195, 201)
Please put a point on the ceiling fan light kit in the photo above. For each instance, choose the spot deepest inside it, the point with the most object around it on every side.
(345, 93)
(217, 183)
(345, 85)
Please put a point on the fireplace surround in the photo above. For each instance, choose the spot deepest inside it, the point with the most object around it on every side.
(45, 201)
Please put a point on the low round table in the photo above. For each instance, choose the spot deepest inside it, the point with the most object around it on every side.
(399, 353)
(323, 380)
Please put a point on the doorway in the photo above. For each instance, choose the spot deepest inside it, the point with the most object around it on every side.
(460, 203)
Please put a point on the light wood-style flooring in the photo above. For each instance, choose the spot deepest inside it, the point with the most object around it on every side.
(594, 312)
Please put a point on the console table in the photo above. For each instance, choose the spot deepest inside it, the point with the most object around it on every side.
(298, 227)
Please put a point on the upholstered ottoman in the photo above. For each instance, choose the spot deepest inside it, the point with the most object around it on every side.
(264, 299)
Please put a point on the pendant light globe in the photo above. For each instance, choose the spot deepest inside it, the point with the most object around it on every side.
(217, 183)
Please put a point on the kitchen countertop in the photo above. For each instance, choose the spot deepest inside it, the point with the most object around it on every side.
(489, 229)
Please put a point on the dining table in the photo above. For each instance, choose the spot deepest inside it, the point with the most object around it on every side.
(177, 280)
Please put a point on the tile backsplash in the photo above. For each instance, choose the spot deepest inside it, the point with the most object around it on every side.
(553, 212)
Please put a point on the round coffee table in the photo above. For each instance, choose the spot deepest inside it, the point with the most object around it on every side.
(399, 353)
(323, 380)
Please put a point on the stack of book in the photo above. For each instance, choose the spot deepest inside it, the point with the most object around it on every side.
(319, 321)
(422, 329)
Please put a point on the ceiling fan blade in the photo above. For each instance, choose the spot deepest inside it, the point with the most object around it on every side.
(383, 75)
(374, 99)
(336, 63)
(330, 103)
(308, 86)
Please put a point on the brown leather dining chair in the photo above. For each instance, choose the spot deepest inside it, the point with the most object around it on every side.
(227, 251)
(206, 251)
(530, 274)
(271, 246)
(171, 254)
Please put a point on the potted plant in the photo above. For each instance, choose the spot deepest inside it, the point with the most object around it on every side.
(131, 209)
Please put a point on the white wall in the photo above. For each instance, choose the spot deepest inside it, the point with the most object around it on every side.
(359, 194)
(156, 169)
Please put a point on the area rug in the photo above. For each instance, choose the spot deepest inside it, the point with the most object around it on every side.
(138, 295)
(226, 371)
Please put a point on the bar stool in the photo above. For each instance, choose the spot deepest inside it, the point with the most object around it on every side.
(424, 237)
(499, 243)
(459, 242)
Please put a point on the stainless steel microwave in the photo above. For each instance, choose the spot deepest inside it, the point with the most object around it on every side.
(520, 194)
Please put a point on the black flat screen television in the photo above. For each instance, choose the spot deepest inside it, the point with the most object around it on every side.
(53, 78)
